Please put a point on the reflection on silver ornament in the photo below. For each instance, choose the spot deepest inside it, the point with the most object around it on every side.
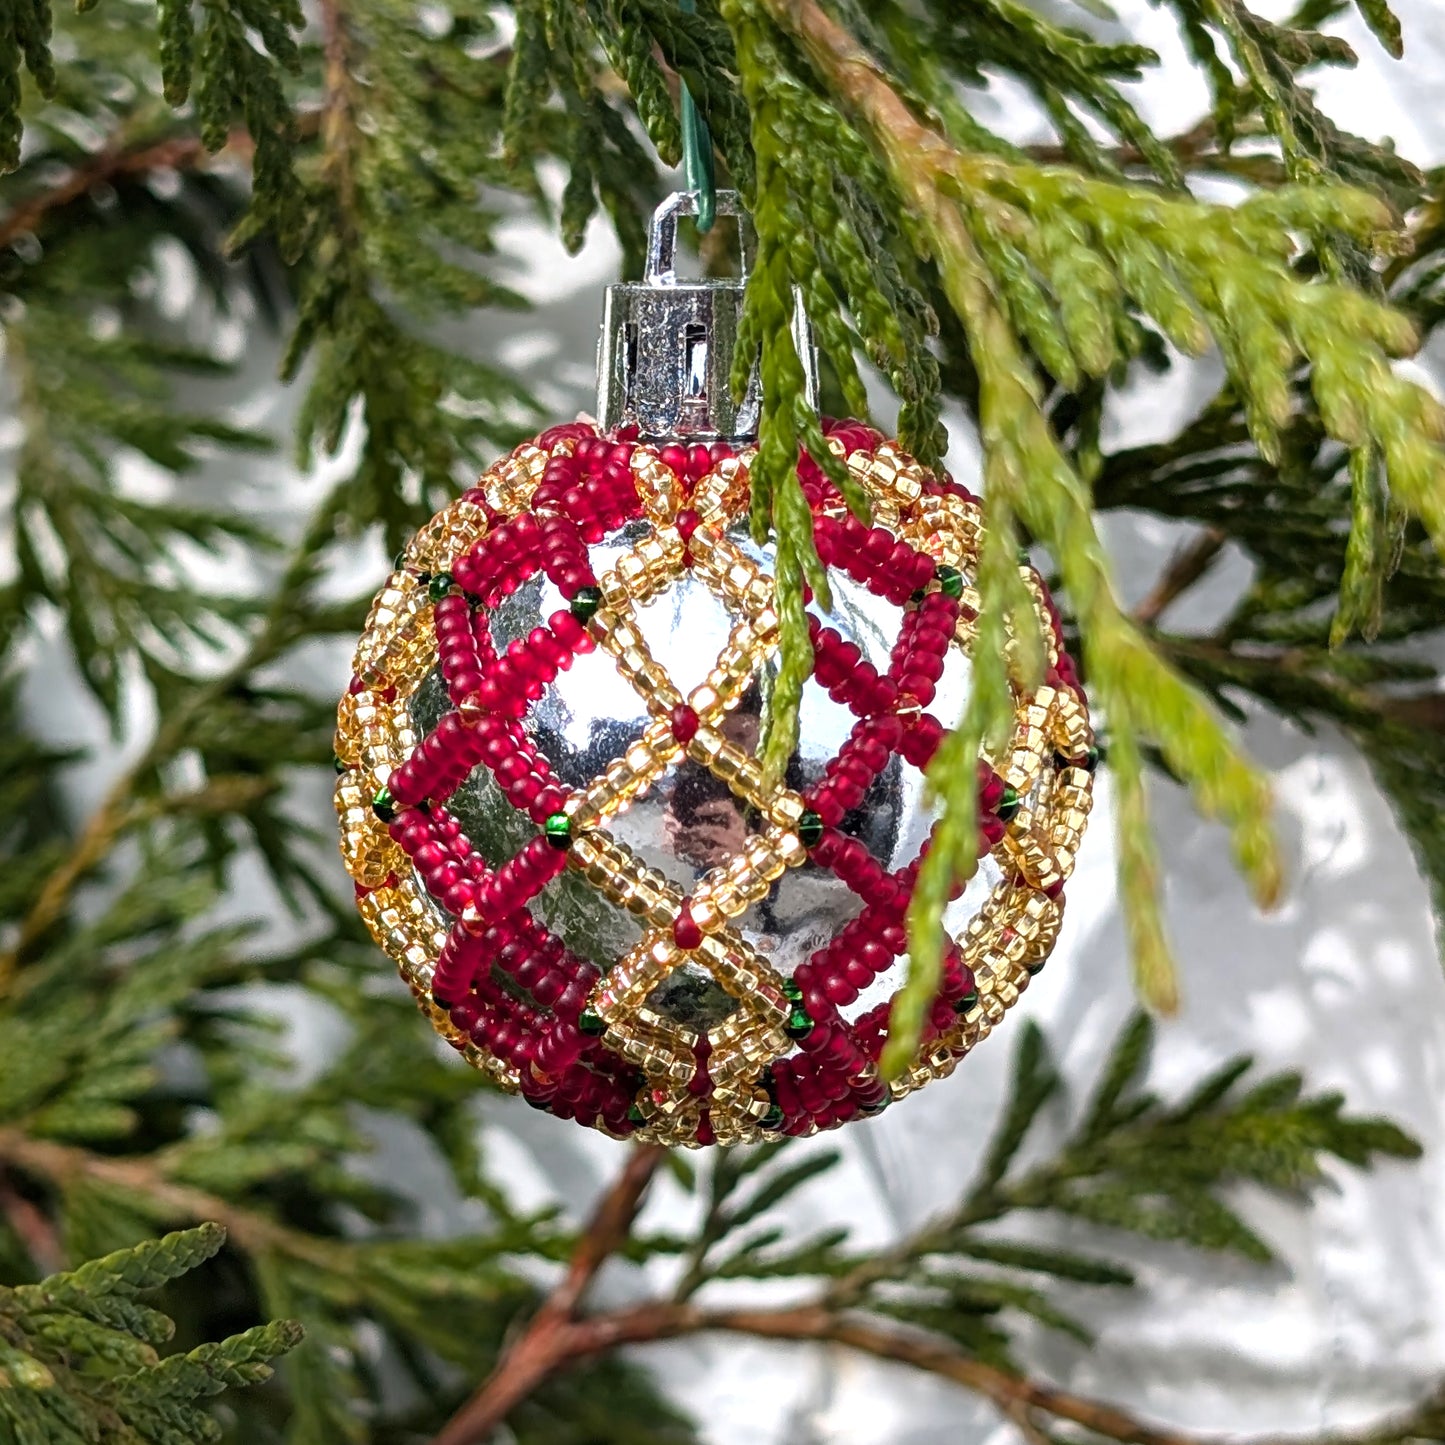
(550, 801)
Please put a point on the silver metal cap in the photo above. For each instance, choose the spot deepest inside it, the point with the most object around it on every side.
(667, 345)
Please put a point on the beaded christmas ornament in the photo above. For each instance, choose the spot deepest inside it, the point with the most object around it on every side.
(549, 794)
(602, 1044)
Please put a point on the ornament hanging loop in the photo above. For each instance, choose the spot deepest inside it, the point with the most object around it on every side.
(665, 360)
(661, 268)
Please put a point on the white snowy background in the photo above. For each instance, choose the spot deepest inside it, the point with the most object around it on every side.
(1343, 981)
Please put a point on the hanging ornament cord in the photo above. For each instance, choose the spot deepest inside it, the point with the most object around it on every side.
(697, 151)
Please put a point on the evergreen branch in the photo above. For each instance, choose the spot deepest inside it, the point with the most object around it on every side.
(546, 1343)
(1128, 1161)
(118, 809)
(1028, 476)
(77, 1351)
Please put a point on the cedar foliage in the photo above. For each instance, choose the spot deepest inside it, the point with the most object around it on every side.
(341, 175)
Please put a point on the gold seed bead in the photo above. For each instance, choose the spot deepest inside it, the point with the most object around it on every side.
(705, 913)
(1046, 625)
(347, 738)
(1029, 854)
(739, 970)
(367, 848)
(399, 644)
(510, 483)
(657, 689)
(1071, 732)
(656, 484)
(453, 531)
(785, 808)
(651, 1054)
(626, 987)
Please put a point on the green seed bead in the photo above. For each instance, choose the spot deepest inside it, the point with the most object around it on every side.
(440, 586)
(810, 829)
(792, 990)
(558, 830)
(799, 1024)
(340, 766)
(965, 1002)
(1009, 804)
(950, 580)
(585, 604)
(773, 1119)
(590, 1022)
(635, 1114)
(384, 805)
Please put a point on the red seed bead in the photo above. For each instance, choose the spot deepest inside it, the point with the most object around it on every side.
(685, 931)
(459, 897)
(578, 431)
(922, 740)
(685, 723)
(674, 458)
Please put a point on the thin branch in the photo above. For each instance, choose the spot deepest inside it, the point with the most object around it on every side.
(549, 1342)
(1185, 568)
(66, 1165)
(1196, 150)
(339, 135)
(31, 1227)
(112, 161)
(1013, 1394)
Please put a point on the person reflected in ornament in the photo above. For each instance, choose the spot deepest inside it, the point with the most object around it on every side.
(705, 825)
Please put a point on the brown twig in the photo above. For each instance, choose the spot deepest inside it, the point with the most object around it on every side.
(65, 1165)
(31, 1227)
(1189, 146)
(338, 114)
(102, 829)
(1016, 1396)
(1185, 568)
(551, 1339)
(109, 163)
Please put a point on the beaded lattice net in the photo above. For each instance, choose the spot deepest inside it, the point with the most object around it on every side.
(696, 1032)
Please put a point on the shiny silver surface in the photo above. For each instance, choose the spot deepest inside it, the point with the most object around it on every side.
(688, 822)
(666, 352)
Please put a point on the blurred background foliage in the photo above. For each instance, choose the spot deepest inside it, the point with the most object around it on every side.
(339, 176)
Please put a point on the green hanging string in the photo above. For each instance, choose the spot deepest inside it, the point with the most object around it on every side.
(697, 167)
